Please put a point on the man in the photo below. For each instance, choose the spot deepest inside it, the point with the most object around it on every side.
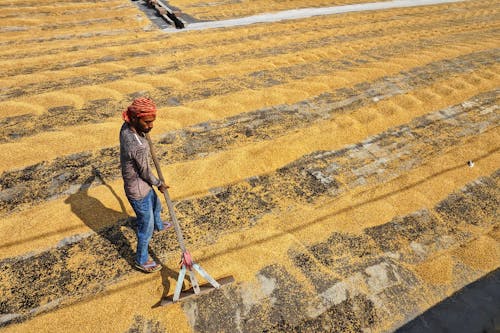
(138, 177)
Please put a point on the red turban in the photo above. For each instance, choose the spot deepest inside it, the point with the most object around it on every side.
(140, 107)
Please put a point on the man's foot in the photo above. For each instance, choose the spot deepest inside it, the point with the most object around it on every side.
(166, 225)
(148, 267)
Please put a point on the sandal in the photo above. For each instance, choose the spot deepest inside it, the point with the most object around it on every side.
(166, 225)
(148, 267)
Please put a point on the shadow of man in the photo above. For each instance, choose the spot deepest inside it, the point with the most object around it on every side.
(104, 221)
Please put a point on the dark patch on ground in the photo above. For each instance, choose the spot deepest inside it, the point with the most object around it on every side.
(341, 248)
(474, 308)
(476, 204)
(73, 37)
(54, 274)
(305, 184)
(352, 315)
(396, 235)
(320, 278)
(222, 311)
(144, 325)
(216, 312)
(59, 25)
(65, 175)
(231, 207)
(277, 304)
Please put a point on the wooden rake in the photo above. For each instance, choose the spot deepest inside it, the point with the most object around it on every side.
(187, 262)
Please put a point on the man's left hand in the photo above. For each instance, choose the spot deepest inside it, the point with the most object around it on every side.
(163, 187)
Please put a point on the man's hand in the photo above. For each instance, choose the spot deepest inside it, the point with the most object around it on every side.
(163, 187)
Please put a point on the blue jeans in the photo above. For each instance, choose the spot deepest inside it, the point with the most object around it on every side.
(148, 211)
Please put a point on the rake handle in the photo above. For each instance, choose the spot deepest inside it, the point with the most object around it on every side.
(170, 205)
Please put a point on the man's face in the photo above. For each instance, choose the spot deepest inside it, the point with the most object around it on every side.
(144, 124)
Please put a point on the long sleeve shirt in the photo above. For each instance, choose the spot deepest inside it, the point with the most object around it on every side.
(135, 164)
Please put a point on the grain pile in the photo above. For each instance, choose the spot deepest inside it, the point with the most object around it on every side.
(321, 162)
